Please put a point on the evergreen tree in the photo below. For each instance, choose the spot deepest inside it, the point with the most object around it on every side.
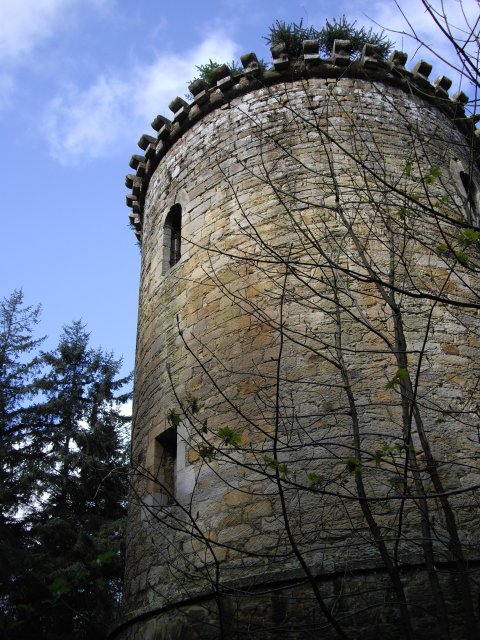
(18, 366)
(69, 580)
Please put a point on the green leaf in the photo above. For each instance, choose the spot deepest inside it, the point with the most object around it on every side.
(462, 257)
(408, 169)
(81, 572)
(206, 72)
(281, 467)
(395, 482)
(194, 405)
(314, 479)
(441, 248)
(59, 587)
(377, 457)
(292, 36)
(392, 448)
(468, 237)
(173, 418)
(102, 559)
(206, 452)
(433, 175)
(353, 465)
(229, 436)
(400, 375)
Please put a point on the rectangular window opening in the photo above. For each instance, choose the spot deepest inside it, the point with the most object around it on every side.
(164, 465)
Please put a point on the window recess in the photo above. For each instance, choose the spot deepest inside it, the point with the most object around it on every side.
(172, 238)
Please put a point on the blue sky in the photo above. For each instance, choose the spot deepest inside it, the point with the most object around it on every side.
(80, 81)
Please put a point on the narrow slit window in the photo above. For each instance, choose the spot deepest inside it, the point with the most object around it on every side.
(172, 237)
(165, 464)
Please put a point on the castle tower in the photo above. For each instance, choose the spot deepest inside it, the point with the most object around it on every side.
(305, 444)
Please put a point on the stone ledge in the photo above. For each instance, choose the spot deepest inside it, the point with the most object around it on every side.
(282, 579)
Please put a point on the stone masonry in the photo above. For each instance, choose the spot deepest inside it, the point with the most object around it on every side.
(305, 443)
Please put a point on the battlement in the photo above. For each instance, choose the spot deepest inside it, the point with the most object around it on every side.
(228, 86)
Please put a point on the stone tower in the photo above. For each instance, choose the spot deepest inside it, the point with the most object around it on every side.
(305, 444)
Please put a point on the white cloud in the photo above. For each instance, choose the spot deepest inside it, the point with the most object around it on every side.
(83, 124)
(387, 15)
(126, 409)
(28, 23)
(80, 125)
(459, 15)
(167, 77)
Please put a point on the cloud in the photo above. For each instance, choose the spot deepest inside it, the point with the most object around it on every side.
(435, 44)
(394, 19)
(82, 124)
(26, 24)
(126, 409)
(167, 77)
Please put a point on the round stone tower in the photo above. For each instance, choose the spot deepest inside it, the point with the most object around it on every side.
(305, 442)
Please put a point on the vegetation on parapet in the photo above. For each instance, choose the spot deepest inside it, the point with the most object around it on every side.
(292, 36)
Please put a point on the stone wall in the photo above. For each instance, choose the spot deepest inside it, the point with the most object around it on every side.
(319, 222)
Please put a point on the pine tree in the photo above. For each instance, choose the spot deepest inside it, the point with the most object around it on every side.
(18, 366)
(70, 578)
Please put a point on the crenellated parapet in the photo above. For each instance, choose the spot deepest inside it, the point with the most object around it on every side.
(227, 86)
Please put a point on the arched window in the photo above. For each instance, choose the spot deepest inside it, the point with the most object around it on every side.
(172, 237)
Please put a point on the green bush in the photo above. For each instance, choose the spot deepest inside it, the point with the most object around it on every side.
(206, 71)
(341, 29)
(293, 35)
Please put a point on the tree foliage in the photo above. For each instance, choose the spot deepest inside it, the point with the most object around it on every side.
(62, 529)
(206, 72)
(18, 366)
(293, 35)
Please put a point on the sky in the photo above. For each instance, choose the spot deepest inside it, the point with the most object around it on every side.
(80, 81)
